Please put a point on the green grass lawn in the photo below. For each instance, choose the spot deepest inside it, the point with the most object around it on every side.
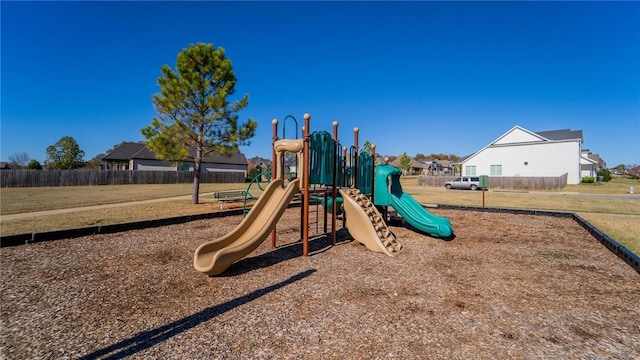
(619, 218)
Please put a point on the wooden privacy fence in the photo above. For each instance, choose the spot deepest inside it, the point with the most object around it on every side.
(506, 182)
(42, 178)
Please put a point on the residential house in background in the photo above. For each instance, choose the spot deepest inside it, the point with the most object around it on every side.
(136, 156)
(591, 163)
(427, 167)
(438, 167)
(520, 152)
(417, 167)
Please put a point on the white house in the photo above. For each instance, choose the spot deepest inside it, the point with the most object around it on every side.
(520, 152)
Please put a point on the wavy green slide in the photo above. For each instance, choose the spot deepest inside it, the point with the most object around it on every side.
(389, 192)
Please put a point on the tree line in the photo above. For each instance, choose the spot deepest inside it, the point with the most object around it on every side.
(65, 154)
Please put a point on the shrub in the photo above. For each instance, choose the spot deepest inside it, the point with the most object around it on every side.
(252, 173)
(588, 179)
(33, 165)
(606, 174)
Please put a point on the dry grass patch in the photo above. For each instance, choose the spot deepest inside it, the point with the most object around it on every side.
(22, 200)
(617, 185)
(524, 200)
(622, 228)
(113, 215)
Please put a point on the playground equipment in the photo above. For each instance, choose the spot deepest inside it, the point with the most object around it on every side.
(366, 225)
(257, 181)
(215, 256)
(325, 168)
(389, 192)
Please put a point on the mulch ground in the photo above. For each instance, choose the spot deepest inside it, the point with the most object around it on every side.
(507, 287)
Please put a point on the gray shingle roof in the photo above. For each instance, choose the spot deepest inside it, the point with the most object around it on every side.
(137, 150)
(563, 134)
(125, 151)
(235, 157)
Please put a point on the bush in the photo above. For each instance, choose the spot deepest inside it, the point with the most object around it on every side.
(253, 173)
(588, 179)
(33, 165)
(606, 174)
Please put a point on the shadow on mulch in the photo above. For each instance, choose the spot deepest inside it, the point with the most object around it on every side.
(147, 339)
(317, 245)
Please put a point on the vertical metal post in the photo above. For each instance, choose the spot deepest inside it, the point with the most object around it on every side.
(373, 176)
(305, 187)
(274, 163)
(302, 171)
(355, 166)
(325, 211)
(483, 197)
(334, 189)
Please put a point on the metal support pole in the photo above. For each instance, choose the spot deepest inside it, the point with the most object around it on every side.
(483, 197)
(355, 166)
(305, 187)
(373, 176)
(303, 171)
(274, 163)
(334, 189)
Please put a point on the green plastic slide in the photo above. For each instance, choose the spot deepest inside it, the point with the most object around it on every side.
(389, 193)
(419, 218)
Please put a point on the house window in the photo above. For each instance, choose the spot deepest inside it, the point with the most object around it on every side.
(496, 170)
(470, 170)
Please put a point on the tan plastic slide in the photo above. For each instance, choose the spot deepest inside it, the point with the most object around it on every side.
(214, 257)
(366, 225)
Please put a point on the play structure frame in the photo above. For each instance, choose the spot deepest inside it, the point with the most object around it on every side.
(323, 162)
(329, 189)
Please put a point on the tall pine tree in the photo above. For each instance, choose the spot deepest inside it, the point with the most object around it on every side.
(195, 116)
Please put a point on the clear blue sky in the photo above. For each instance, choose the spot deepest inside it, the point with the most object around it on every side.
(415, 77)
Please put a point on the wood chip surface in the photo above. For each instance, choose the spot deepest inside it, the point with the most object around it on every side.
(507, 287)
